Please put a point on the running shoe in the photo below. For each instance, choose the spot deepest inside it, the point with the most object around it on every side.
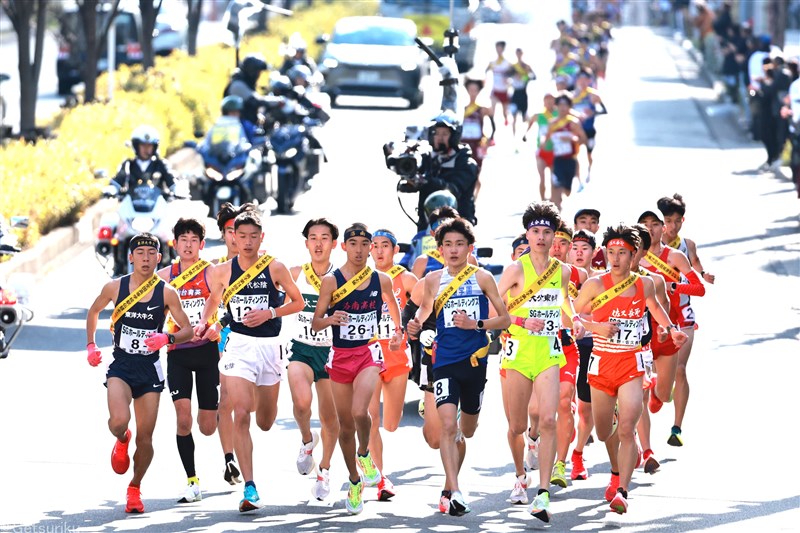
(120, 461)
(540, 508)
(559, 475)
(305, 459)
(578, 469)
(385, 489)
(232, 473)
(192, 492)
(651, 464)
(532, 452)
(458, 507)
(322, 487)
(251, 501)
(444, 502)
(421, 408)
(675, 437)
(613, 485)
(133, 503)
(367, 466)
(619, 504)
(355, 500)
(654, 405)
(519, 495)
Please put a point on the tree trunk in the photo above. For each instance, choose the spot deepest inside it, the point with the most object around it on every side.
(88, 12)
(193, 17)
(149, 10)
(777, 15)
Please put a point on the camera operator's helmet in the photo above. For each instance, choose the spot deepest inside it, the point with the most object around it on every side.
(301, 72)
(231, 103)
(144, 135)
(448, 119)
(297, 43)
(280, 85)
(439, 199)
(252, 65)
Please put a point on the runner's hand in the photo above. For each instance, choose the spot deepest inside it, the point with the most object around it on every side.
(462, 321)
(199, 330)
(94, 357)
(211, 333)
(578, 331)
(533, 324)
(338, 318)
(606, 329)
(709, 277)
(156, 341)
(413, 327)
(662, 334)
(679, 337)
(396, 342)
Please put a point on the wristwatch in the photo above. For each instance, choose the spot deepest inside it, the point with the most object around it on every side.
(479, 325)
(170, 338)
(674, 286)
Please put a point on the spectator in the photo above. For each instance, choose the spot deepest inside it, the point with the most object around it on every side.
(704, 22)
(724, 20)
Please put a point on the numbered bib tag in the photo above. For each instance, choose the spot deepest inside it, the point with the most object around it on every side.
(131, 340)
(629, 333)
(377, 352)
(306, 335)
(510, 348)
(241, 304)
(552, 321)
(555, 346)
(688, 314)
(594, 365)
(385, 327)
(562, 144)
(441, 389)
(644, 360)
(193, 307)
(359, 326)
(470, 305)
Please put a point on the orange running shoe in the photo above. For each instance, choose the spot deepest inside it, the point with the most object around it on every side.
(619, 504)
(612, 487)
(134, 503)
(120, 462)
(578, 469)
(654, 405)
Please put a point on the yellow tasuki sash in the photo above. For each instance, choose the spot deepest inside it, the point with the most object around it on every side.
(662, 267)
(436, 255)
(142, 291)
(534, 287)
(470, 109)
(613, 292)
(560, 123)
(457, 281)
(222, 259)
(566, 60)
(675, 242)
(312, 277)
(187, 275)
(396, 270)
(258, 267)
(350, 285)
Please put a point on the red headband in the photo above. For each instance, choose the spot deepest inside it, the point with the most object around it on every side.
(229, 223)
(622, 243)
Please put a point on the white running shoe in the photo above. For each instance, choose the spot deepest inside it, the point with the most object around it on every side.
(520, 493)
(322, 487)
(532, 452)
(191, 493)
(305, 459)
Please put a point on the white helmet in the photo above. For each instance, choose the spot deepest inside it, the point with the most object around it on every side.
(144, 135)
(296, 42)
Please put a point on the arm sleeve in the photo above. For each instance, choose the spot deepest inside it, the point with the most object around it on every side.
(408, 312)
(693, 287)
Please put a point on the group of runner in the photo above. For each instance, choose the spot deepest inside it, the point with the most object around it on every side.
(610, 324)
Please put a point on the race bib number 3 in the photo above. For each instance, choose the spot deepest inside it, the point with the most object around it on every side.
(193, 307)
(359, 327)
(241, 304)
(510, 348)
(552, 321)
(470, 305)
(131, 340)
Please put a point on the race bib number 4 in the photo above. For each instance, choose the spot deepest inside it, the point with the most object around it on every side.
(629, 333)
(131, 340)
(193, 307)
(307, 335)
(241, 304)
(359, 327)
(470, 305)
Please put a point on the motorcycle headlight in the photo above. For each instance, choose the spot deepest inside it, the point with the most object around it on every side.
(290, 153)
(143, 224)
(330, 63)
(214, 174)
(233, 174)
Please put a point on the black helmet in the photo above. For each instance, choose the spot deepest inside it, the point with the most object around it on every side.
(439, 199)
(232, 103)
(252, 65)
(447, 119)
(144, 135)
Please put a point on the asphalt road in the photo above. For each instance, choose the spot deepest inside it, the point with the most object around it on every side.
(736, 471)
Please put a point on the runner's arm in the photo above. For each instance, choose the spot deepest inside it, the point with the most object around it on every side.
(661, 292)
(164, 273)
(284, 278)
(577, 130)
(429, 284)
(418, 269)
(217, 277)
(107, 295)
(659, 314)
(589, 291)
(489, 287)
(695, 261)
(320, 321)
(693, 286)
(173, 303)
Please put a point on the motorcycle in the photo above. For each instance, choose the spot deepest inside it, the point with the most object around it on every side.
(143, 208)
(13, 313)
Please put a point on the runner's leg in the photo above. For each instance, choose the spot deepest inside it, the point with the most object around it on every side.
(146, 409)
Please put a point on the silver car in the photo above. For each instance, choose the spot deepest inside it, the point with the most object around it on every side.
(373, 56)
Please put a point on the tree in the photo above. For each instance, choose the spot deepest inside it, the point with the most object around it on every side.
(149, 10)
(20, 12)
(94, 41)
(195, 8)
(777, 15)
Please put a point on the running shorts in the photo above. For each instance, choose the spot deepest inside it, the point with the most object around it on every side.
(564, 170)
(256, 359)
(316, 357)
(203, 361)
(141, 374)
(346, 363)
(609, 371)
(460, 383)
(530, 355)
(396, 363)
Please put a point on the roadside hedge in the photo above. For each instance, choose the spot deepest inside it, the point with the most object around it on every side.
(52, 181)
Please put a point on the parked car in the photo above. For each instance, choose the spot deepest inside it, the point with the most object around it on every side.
(373, 56)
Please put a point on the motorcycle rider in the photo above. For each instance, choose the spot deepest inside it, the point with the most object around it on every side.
(243, 84)
(449, 166)
(145, 165)
(230, 127)
(298, 46)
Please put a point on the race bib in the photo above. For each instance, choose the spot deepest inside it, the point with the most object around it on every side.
(469, 304)
(552, 321)
(562, 144)
(510, 348)
(306, 335)
(377, 352)
(385, 327)
(629, 333)
(193, 307)
(131, 340)
(688, 314)
(441, 388)
(644, 361)
(472, 130)
(555, 346)
(359, 326)
(594, 365)
(241, 304)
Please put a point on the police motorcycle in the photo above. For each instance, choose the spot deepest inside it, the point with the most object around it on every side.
(13, 312)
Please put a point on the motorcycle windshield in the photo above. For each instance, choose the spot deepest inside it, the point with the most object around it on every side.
(144, 198)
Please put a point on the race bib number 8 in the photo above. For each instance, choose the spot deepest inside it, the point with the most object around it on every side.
(131, 340)
(193, 307)
(470, 305)
(242, 304)
(441, 389)
(359, 326)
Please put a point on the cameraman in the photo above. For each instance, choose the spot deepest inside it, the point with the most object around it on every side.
(449, 166)
(243, 84)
